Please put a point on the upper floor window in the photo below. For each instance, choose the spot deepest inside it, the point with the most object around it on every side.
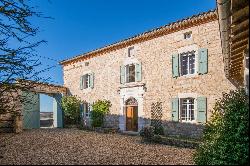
(86, 63)
(130, 73)
(187, 109)
(187, 35)
(187, 61)
(87, 81)
(131, 52)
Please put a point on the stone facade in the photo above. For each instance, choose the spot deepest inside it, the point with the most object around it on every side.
(157, 83)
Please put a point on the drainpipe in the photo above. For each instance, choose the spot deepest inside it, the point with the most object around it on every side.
(224, 14)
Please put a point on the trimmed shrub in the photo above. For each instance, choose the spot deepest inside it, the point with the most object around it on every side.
(100, 109)
(147, 133)
(225, 140)
(71, 109)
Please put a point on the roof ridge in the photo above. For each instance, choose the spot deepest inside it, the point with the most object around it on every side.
(212, 11)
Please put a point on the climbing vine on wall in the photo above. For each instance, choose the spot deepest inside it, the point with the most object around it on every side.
(156, 117)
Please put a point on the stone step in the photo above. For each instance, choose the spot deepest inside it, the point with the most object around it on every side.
(133, 133)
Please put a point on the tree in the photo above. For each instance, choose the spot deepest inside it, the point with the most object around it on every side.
(18, 59)
(225, 139)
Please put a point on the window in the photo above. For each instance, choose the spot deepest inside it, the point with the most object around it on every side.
(130, 51)
(187, 61)
(187, 35)
(86, 81)
(130, 73)
(87, 109)
(86, 63)
(187, 109)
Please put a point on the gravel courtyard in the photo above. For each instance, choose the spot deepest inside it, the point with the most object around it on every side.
(72, 146)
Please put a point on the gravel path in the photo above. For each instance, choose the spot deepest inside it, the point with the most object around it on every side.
(72, 146)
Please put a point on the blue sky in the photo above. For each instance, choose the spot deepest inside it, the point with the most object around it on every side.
(83, 25)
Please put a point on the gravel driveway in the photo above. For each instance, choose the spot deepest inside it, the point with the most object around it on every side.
(72, 146)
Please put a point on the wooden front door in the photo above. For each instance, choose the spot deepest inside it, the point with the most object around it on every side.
(131, 118)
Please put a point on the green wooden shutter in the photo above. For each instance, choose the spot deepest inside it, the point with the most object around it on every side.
(81, 82)
(84, 107)
(122, 74)
(175, 65)
(201, 109)
(138, 76)
(203, 60)
(91, 81)
(175, 109)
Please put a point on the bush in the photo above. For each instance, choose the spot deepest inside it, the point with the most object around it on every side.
(71, 109)
(225, 139)
(159, 130)
(147, 133)
(100, 109)
(157, 139)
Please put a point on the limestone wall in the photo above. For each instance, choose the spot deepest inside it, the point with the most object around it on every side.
(155, 56)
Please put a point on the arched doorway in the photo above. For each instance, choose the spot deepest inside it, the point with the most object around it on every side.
(131, 112)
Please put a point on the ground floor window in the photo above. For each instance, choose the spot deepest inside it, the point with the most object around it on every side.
(187, 109)
(87, 109)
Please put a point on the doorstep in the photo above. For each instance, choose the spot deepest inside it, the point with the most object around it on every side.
(130, 133)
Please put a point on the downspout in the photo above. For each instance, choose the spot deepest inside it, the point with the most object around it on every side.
(224, 14)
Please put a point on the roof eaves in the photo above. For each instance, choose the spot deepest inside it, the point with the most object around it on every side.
(149, 32)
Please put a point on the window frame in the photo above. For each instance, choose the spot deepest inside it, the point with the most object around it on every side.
(188, 95)
(188, 116)
(127, 73)
(187, 33)
(187, 53)
(88, 110)
(131, 51)
(86, 81)
(189, 48)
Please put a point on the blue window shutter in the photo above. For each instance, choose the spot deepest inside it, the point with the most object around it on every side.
(175, 109)
(122, 74)
(203, 60)
(138, 76)
(175, 65)
(81, 82)
(91, 81)
(201, 109)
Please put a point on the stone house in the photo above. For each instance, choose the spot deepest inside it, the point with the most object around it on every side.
(173, 73)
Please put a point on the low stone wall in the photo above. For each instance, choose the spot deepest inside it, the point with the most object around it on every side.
(6, 123)
(183, 129)
(111, 121)
(190, 130)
